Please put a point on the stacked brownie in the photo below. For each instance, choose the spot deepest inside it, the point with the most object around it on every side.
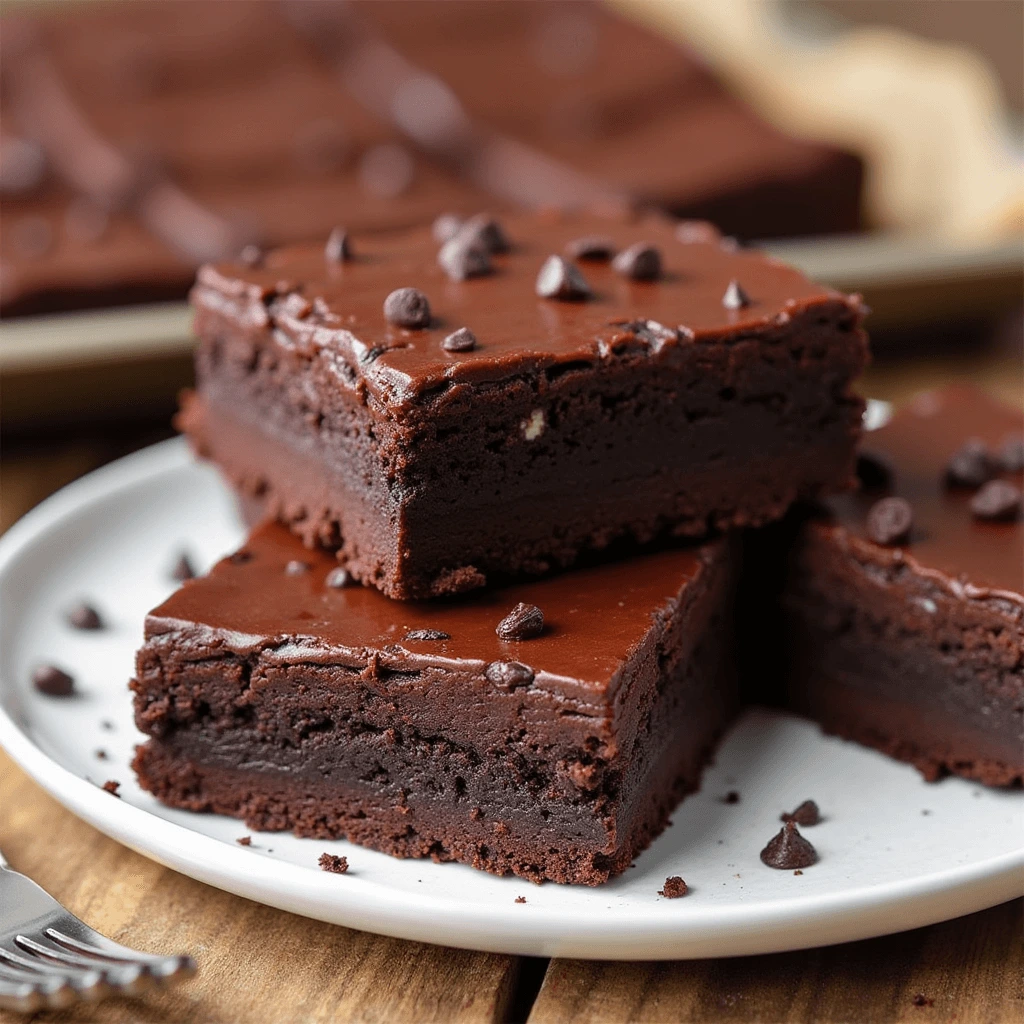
(438, 421)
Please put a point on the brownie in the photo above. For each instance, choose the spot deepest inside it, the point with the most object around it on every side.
(272, 695)
(137, 143)
(711, 397)
(913, 642)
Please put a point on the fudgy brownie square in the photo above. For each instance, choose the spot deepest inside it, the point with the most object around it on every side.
(444, 415)
(547, 729)
(904, 607)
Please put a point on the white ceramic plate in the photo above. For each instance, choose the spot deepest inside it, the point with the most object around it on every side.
(895, 852)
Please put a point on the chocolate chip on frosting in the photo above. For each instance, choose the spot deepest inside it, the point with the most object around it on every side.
(427, 634)
(296, 567)
(508, 675)
(559, 279)
(407, 307)
(52, 681)
(735, 297)
(640, 262)
(486, 232)
(524, 622)
(996, 500)
(806, 814)
(889, 521)
(445, 227)
(971, 466)
(463, 257)
(462, 340)
(338, 248)
(789, 850)
(594, 248)
(1011, 453)
(337, 578)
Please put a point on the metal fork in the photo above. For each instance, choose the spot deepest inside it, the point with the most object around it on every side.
(49, 959)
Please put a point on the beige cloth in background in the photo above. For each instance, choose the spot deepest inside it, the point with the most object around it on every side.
(927, 117)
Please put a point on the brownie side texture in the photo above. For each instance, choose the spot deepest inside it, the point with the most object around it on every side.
(435, 753)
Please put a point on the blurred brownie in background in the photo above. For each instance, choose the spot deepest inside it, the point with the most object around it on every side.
(140, 141)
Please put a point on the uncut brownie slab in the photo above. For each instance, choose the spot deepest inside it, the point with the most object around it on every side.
(647, 406)
(916, 646)
(274, 697)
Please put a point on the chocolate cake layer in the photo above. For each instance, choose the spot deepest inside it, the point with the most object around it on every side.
(273, 696)
(138, 143)
(916, 647)
(645, 408)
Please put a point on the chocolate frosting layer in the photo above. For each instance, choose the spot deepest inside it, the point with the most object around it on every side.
(970, 557)
(594, 618)
(313, 304)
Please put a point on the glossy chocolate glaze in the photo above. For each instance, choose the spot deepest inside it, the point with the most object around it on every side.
(338, 308)
(970, 558)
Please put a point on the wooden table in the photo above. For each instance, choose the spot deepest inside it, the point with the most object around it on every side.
(265, 966)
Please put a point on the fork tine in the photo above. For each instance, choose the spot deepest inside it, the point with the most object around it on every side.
(28, 997)
(106, 951)
(40, 968)
(122, 973)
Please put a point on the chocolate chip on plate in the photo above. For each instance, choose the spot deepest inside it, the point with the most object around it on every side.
(524, 622)
(445, 227)
(640, 262)
(337, 578)
(407, 307)
(559, 279)
(674, 888)
(334, 864)
(1011, 453)
(296, 567)
(508, 675)
(889, 521)
(462, 340)
(427, 634)
(112, 787)
(593, 248)
(735, 297)
(486, 232)
(789, 850)
(52, 681)
(806, 814)
(996, 500)
(873, 471)
(183, 569)
(338, 248)
(84, 616)
(463, 257)
(971, 466)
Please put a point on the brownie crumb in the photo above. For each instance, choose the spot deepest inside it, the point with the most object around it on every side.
(296, 567)
(427, 634)
(112, 787)
(1011, 453)
(462, 257)
(732, 797)
(594, 249)
(806, 814)
(889, 521)
(873, 471)
(524, 622)
(183, 569)
(789, 850)
(407, 307)
(332, 863)
(100, 754)
(735, 297)
(520, 899)
(445, 227)
(84, 616)
(338, 248)
(971, 466)
(244, 841)
(922, 1000)
(798, 872)
(640, 262)
(674, 888)
(337, 578)
(559, 279)
(998, 500)
(462, 340)
(508, 675)
(52, 681)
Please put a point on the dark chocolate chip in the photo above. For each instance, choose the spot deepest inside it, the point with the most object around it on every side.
(407, 307)
(296, 567)
(1011, 454)
(332, 863)
(674, 888)
(806, 814)
(594, 248)
(446, 227)
(508, 675)
(732, 797)
(520, 899)
(183, 569)
(640, 262)
(889, 521)
(337, 578)
(251, 256)
(735, 297)
(462, 258)
(244, 841)
(524, 622)
(789, 850)
(873, 471)
(996, 500)
(52, 681)
(486, 232)
(462, 340)
(84, 616)
(559, 279)
(338, 248)
(112, 787)
(971, 466)
(427, 634)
